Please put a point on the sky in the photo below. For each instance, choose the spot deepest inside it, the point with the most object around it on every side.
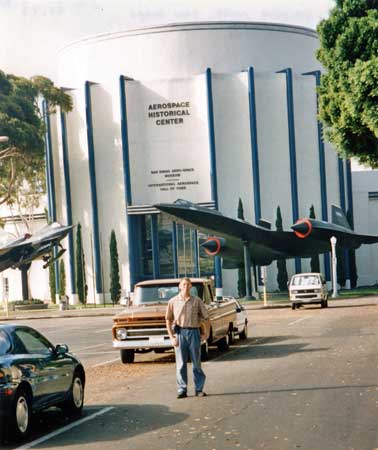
(32, 31)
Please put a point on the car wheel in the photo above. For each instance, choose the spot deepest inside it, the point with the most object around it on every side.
(18, 426)
(326, 303)
(75, 400)
(205, 351)
(244, 334)
(223, 344)
(323, 304)
(127, 356)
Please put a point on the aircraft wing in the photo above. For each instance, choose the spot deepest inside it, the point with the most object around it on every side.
(25, 249)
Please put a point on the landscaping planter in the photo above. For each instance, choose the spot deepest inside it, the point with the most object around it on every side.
(30, 307)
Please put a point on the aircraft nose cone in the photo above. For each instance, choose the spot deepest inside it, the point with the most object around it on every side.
(302, 228)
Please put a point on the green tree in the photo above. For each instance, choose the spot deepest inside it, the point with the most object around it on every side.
(241, 270)
(115, 285)
(315, 263)
(282, 277)
(22, 157)
(348, 93)
(52, 282)
(62, 278)
(81, 284)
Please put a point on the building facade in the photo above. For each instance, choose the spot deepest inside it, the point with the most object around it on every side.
(207, 112)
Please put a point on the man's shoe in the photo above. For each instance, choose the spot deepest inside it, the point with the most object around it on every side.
(182, 395)
(201, 394)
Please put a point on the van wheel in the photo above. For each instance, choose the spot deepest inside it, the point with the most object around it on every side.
(223, 344)
(205, 351)
(127, 356)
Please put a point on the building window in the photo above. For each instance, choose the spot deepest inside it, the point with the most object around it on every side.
(165, 245)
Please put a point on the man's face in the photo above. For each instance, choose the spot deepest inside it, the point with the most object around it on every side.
(185, 288)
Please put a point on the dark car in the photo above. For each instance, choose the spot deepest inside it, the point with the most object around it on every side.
(35, 375)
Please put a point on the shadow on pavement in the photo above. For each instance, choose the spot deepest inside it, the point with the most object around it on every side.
(351, 306)
(122, 422)
(269, 339)
(278, 390)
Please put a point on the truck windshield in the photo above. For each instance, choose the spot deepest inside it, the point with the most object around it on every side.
(160, 293)
(305, 280)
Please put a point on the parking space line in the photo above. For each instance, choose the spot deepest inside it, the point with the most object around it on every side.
(106, 362)
(66, 428)
(298, 320)
(86, 348)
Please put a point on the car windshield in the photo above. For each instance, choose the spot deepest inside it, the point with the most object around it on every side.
(5, 344)
(306, 280)
(160, 293)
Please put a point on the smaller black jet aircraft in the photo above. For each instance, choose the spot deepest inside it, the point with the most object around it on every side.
(18, 253)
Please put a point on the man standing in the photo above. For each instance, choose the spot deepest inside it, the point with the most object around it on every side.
(186, 313)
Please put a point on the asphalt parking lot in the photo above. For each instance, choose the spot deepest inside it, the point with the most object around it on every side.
(303, 379)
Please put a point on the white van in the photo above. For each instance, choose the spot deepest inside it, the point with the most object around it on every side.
(307, 288)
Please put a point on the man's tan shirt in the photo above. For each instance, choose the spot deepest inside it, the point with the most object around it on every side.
(186, 314)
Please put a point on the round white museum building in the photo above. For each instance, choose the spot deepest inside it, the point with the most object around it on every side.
(207, 112)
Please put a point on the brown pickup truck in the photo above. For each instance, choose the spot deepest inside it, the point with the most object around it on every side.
(141, 326)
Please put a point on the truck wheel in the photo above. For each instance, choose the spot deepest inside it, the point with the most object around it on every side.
(223, 344)
(244, 334)
(231, 335)
(293, 306)
(204, 351)
(127, 356)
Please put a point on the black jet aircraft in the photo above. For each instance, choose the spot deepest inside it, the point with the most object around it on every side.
(235, 240)
(18, 253)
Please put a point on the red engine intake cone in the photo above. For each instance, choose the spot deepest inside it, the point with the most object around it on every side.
(302, 228)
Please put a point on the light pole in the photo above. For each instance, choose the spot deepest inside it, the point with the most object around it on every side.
(334, 266)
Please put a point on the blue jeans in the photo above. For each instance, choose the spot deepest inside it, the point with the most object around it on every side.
(189, 345)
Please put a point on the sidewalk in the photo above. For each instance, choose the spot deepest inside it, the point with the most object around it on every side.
(113, 310)
(55, 313)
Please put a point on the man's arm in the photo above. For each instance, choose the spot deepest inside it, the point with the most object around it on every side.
(205, 321)
(169, 319)
(205, 330)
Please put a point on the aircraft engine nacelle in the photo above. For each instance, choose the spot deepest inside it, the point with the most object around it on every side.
(213, 245)
(302, 228)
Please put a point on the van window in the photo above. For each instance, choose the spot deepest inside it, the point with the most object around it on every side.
(305, 280)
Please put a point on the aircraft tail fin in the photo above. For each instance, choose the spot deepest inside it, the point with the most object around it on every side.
(339, 218)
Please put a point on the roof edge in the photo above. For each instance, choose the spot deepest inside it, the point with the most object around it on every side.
(194, 26)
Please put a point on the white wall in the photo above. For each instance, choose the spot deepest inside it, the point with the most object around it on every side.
(366, 222)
